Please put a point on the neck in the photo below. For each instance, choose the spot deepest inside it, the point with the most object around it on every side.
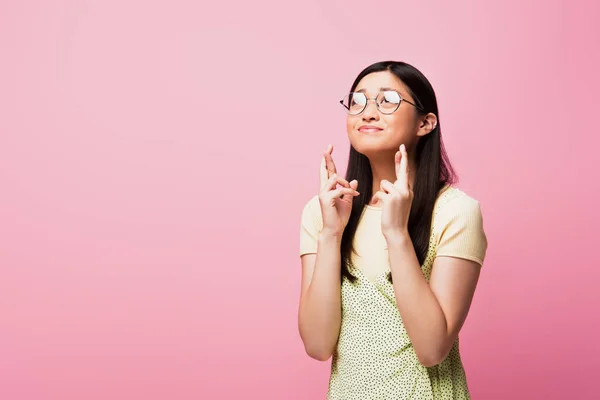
(383, 167)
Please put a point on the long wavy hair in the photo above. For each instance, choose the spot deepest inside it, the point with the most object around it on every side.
(433, 168)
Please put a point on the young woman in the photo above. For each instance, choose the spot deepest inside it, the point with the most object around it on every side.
(391, 254)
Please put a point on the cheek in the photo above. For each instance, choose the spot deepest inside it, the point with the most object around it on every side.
(350, 124)
(392, 123)
(400, 123)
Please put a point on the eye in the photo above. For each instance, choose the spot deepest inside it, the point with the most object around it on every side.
(391, 97)
(359, 99)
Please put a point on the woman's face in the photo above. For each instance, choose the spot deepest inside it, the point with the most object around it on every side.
(372, 131)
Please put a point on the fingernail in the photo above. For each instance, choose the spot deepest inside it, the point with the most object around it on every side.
(402, 147)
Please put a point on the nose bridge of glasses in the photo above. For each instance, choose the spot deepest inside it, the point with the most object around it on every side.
(374, 100)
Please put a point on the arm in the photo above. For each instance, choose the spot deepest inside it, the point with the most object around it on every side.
(320, 309)
(433, 313)
(319, 314)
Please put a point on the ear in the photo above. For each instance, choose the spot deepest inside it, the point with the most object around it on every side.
(428, 123)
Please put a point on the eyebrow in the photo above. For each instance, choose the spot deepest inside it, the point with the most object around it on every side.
(380, 89)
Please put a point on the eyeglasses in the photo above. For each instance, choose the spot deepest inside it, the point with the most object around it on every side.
(387, 102)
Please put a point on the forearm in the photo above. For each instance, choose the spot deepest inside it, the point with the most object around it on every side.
(421, 312)
(320, 306)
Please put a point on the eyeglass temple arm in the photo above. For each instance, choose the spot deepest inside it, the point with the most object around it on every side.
(413, 104)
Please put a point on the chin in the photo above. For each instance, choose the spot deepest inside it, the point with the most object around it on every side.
(372, 146)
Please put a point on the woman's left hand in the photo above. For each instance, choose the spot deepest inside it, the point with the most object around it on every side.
(396, 198)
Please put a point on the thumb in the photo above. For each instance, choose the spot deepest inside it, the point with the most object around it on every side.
(348, 197)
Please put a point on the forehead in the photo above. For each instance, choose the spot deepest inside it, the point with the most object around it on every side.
(372, 83)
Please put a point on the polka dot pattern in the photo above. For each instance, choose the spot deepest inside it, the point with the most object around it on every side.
(374, 358)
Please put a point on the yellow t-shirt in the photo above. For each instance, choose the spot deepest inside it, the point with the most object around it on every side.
(374, 358)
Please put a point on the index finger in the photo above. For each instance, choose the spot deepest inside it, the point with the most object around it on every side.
(329, 161)
(323, 175)
(402, 167)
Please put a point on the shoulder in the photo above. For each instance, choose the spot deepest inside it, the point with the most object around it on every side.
(311, 206)
(311, 213)
(454, 204)
(310, 226)
(452, 199)
(458, 226)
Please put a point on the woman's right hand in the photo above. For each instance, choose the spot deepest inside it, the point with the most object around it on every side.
(336, 202)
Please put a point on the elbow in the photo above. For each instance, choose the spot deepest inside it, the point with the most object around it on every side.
(430, 361)
(432, 358)
(318, 353)
(434, 351)
(317, 349)
(319, 356)
(315, 346)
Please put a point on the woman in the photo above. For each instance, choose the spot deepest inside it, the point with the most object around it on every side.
(391, 254)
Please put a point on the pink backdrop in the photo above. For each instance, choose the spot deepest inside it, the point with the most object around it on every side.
(149, 226)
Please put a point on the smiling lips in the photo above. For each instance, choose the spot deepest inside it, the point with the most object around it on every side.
(369, 129)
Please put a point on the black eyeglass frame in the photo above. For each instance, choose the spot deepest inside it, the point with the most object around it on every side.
(377, 103)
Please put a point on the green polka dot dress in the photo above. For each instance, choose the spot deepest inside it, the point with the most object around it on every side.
(374, 358)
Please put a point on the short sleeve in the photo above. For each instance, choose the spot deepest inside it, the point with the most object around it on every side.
(460, 230)
(311, 224)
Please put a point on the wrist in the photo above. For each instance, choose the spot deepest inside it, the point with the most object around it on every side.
(397, 237)
(329, 236)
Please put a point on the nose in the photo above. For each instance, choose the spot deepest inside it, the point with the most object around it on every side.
(370, 112)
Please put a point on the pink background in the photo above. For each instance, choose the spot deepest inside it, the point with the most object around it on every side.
(149, 224)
